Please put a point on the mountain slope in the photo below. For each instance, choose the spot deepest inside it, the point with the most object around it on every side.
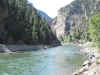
(44, 15)
(20, 23)
(72, 20)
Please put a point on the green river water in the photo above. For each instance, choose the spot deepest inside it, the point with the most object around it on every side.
(62, 60)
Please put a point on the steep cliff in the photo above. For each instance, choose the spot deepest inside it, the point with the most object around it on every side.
(73, 18)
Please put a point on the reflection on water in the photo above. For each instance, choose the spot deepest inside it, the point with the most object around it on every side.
(61, 60)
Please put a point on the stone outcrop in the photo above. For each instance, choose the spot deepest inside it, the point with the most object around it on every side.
(75, 17)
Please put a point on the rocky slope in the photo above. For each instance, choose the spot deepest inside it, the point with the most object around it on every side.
(74, 17)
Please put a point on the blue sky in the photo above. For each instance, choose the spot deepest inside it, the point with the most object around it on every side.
(50, 6)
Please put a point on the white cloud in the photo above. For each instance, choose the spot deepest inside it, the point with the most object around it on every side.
(50, 6)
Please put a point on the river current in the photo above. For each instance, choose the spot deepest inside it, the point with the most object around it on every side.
(62, 60)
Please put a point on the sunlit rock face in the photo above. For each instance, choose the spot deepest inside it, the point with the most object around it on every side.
(58, 25)
(75, 16)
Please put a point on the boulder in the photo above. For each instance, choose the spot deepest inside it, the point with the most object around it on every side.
(83, 69)
(75, 73)
(3, 48)
(92, 59)
(86, 63)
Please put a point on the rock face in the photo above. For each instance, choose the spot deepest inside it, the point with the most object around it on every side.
(75, 17)
(58, 25)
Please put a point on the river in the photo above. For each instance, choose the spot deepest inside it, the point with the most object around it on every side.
(62, 60)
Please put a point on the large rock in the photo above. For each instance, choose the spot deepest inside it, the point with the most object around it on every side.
(3, 48)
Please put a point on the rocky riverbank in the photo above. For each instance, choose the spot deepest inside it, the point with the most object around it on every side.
(24, 47)
(4, 48)
(92, 65)
(21, 48)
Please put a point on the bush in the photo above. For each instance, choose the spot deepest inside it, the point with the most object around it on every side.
(94, 29)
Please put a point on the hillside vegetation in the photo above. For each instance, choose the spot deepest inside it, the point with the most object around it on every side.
(94, 29)
(23, 24)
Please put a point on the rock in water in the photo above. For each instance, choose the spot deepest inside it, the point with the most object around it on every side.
(3, 48)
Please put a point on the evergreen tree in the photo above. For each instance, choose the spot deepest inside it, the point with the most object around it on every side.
(25, 24)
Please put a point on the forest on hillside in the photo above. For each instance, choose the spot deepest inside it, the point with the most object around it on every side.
(24, 24)
(94, 29)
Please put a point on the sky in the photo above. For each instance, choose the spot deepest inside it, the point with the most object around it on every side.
(50, 7)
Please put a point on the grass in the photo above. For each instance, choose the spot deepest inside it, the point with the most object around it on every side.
(98, 50)
(97, 62)
(94, 46)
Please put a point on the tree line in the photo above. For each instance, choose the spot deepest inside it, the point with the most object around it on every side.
(25, 25)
